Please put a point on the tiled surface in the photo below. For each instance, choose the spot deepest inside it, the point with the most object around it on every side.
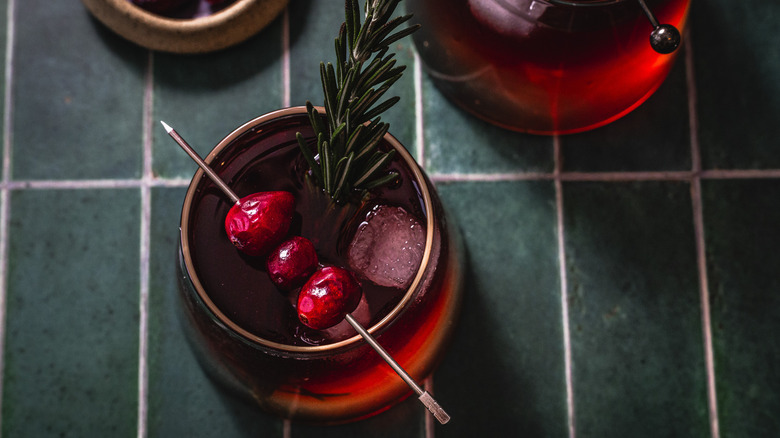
(71, 334)
(458, 144)
(736, 59)
(629, 145)
(620, 282)
(77, 96)
(243, 82)
(633, 308)
(745, 307)
(505, 371)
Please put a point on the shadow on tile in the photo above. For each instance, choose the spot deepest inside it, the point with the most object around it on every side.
(634, 311)
(458, 142)
(404, 420)
(123, 49)
(738, 101)
(225, 68)
(486, 390)
(653, 137)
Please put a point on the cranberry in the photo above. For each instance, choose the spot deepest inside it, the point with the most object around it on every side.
(327, 297)
(259, 222)
(292, 263)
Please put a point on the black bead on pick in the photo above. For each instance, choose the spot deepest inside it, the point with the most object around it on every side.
(664, 38)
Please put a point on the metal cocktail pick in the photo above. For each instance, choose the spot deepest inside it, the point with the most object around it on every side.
(194, 155)
(664, 38)
(423, 395)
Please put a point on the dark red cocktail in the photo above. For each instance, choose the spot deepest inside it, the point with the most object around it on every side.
(397, 240)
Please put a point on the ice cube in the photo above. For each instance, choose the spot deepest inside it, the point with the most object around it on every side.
(387, 247)
(518, 19)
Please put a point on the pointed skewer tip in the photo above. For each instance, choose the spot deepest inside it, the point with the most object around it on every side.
(168, 129)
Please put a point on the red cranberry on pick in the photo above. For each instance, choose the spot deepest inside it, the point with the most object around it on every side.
(260, 221)
(292, 263)
(327, 297)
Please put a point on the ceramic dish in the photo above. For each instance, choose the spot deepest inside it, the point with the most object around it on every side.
(226, 27)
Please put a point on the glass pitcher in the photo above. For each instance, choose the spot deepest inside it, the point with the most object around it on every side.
(548, 66)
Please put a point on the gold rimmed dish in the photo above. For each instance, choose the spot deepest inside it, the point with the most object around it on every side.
(215, 31)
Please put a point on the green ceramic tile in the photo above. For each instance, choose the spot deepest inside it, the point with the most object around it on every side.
(205, 97)
(653, 137)
(738, 95)
(634, 310)
(504, 374)
(314, 25)
(77, 96)
(71, 340)
(456, 142)
(405, 420)
(402, 117)
(742, 238)
(183, 401)
(313, 29)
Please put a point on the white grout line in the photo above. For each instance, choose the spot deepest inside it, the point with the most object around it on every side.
(145, 231)
(740, 174)
(566, 176)
(489, 177)
(627, 176)
(624, 176)
(435, 177)
(701, 251)
(93, 184)
(5, 195)
(4, 217)
(419, 133)
(430, 424)
(567, 354)
(9, 83)
(704, 297)
(286, 57)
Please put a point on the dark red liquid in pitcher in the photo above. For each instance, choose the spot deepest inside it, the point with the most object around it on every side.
(541, 66)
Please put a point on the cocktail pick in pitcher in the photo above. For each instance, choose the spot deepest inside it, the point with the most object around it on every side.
(664, 38)
(424, 396)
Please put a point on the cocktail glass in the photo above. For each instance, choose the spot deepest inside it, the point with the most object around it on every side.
(245, 332)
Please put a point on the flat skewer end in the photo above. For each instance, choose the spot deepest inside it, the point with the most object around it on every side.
(434, 408)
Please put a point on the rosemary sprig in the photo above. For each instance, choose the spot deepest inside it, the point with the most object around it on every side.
(346, 157)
